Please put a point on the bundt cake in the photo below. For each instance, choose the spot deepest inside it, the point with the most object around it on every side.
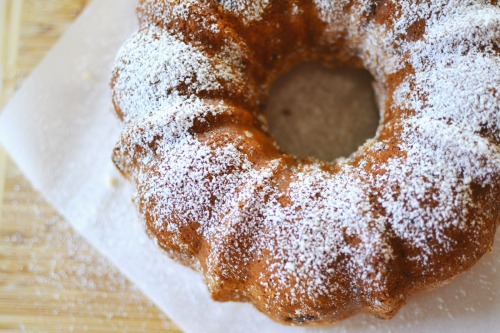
(308, 241)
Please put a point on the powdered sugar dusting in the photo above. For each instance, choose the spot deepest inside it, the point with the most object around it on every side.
(248, 10)
(288, 234)
(154, 64)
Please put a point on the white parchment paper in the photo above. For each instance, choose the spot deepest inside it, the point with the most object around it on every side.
(60, 130)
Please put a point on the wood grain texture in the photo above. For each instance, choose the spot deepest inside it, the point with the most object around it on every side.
(51, 280)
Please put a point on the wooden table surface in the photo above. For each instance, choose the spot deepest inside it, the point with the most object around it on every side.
(50, 279)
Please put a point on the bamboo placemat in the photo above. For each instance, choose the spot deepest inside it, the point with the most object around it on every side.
(50, 279)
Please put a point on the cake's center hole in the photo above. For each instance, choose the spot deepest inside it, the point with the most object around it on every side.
(323, 113)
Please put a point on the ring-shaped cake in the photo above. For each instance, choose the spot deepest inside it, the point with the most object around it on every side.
(307, 241)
